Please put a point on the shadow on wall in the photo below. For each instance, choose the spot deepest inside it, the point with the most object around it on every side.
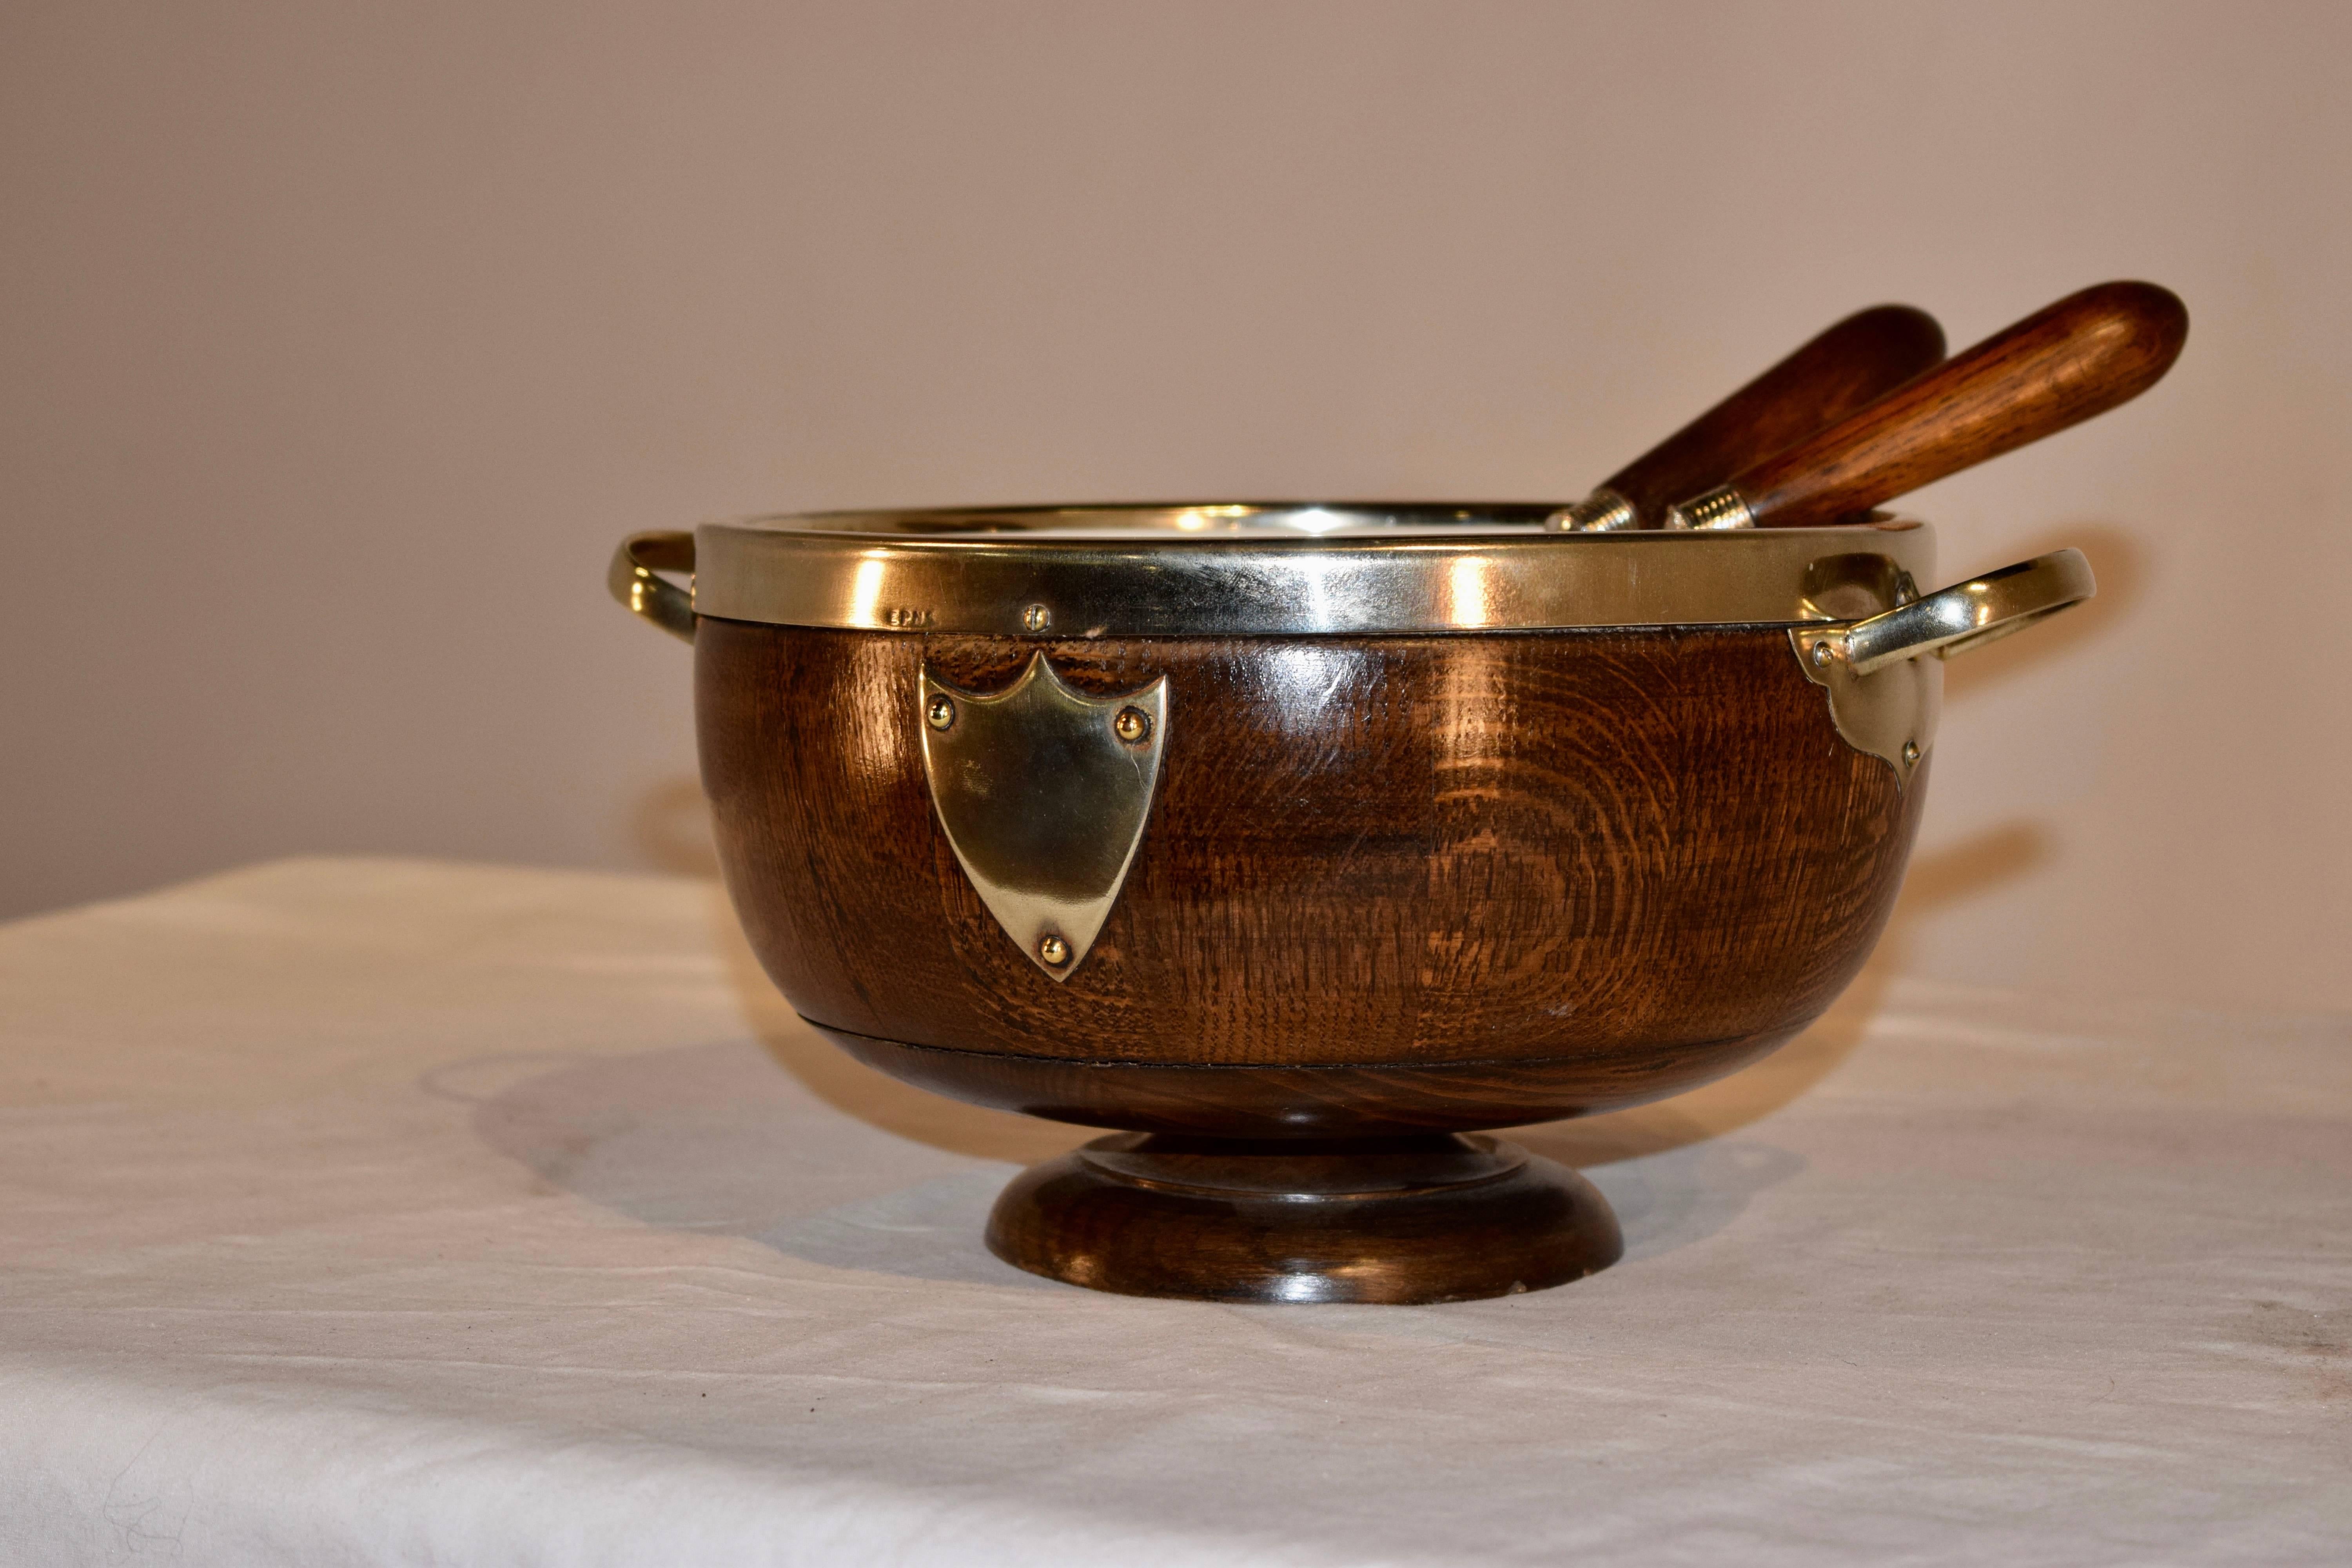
(669, 828)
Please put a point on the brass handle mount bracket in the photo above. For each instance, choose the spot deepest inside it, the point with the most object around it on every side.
(1884, 692)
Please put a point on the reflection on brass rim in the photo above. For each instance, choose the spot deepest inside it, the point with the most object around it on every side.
(1268, 570)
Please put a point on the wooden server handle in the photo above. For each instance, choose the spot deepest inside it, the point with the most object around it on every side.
(2074, 360)
(1844, 369)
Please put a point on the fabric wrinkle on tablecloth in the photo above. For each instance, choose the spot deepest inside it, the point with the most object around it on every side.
(391, 1211)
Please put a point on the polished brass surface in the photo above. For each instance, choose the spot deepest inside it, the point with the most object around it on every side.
(1971, 614)
(1720, 509)
(1854, 585)
(631, 579)
(1890, 713)
(1212, 571)
(1885, 693)
(1044, 793)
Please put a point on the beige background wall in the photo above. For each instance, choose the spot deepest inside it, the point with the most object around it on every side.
(340, 343)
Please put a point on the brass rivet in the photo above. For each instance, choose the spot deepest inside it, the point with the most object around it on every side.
(1053, 951)
(1036, 617)
(1910, 751)
(1823, 652)
(1131, 725)
(940, 712)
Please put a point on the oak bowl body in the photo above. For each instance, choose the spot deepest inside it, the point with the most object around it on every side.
(1302, 842)
(1390, 881)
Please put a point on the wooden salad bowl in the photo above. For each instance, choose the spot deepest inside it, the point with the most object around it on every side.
(1301, 845)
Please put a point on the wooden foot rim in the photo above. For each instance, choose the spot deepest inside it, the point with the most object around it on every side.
(1437, 1218)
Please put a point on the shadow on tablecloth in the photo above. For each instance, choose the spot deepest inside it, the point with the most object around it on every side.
(714, 1140)
(833, 1162)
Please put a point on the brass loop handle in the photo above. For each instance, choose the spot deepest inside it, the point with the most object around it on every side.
(1971, 614)
(633, 581)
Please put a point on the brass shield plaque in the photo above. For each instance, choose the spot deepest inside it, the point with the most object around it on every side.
(1044, 793)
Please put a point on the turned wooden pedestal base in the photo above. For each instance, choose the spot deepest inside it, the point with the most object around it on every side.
(1445, 1217)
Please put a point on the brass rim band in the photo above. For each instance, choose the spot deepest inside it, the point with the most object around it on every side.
(1262, 571)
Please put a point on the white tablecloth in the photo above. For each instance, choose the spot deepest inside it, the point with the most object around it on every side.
(400, 1212)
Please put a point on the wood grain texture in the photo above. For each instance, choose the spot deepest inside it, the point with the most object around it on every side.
(1628, 850)
(1406, 1220)
(2078, 358)
(1843, 370)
